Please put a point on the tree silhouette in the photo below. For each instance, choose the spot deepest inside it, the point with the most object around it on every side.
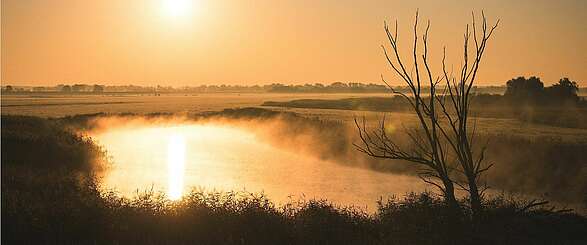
(564, 90)
(98, 88)
(66, 89)
(9, 89)
(524, 90)
(442, 143)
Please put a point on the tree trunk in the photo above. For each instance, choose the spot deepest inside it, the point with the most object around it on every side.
(476, 207)
(449, 194)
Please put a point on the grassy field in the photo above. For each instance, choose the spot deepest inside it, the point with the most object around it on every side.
(568, 115)
(58, 105)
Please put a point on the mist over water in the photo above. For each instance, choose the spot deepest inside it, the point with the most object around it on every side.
(284, 154)
(175, 157)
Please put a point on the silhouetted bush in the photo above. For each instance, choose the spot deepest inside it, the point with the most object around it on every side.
(521, 91)
(565, 91)
(47, 144)
(529, 90)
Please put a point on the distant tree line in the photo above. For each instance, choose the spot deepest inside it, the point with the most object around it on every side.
(531, 91)
(337, 87)
(76, 88)
(519, 89)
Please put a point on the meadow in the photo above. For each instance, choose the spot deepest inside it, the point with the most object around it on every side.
(59, 104)
(562, 115)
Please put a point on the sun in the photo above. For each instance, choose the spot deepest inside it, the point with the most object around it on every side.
(177, 8)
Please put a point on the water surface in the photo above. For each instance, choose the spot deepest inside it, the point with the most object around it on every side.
(174, 159)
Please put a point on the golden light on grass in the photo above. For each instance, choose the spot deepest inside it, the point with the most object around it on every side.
(175, 166)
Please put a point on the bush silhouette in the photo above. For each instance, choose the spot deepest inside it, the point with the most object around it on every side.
(564, 91)
(531, 91)
(524, 90)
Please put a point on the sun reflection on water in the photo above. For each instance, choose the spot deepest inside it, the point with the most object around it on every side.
(175, 166)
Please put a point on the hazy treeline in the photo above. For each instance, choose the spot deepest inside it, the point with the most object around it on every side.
(337, 87)
(50, 195)
(532, 84)
(64, 88)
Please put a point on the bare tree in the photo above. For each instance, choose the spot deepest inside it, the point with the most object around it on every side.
(441, 144)
(459, 93)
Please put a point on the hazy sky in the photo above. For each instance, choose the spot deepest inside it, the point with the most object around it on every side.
(147, 42)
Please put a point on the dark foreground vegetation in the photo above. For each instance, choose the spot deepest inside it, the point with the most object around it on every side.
(50, 196)
(525, 99)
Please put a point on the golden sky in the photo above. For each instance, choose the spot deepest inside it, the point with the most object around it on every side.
(148, 42)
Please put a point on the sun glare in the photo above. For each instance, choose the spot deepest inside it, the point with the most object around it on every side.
(177, 8)
(175, 166)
